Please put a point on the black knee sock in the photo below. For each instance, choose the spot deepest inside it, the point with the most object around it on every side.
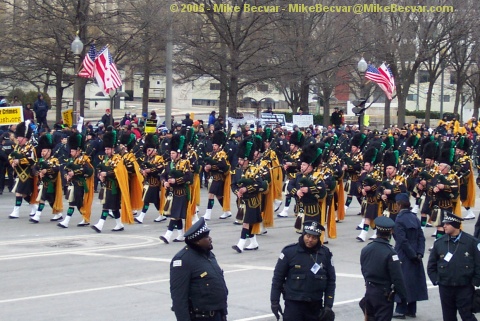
(210, 204)
(27, 198)
(104, 215)
(220, 201)
(349, 201)
(116, 213)
(18, 201)
(41, 206)
(70, 211)
(423, 221)
(250, 228)
(244, 234)
(365, 227)
(172, 225)
(145, 208)
(179, 224)
(288, 200)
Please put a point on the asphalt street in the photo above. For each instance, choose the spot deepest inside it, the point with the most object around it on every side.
(50, 273)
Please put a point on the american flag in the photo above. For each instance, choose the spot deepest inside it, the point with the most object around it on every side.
(383, 82)
(88, 63)
(106, 72)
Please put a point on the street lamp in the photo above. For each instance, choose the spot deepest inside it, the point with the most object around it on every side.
(362, 68)
(442, 79)
(77, 49)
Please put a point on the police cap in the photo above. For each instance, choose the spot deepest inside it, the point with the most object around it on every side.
(313, 228)
(198, 231)
(384, 223)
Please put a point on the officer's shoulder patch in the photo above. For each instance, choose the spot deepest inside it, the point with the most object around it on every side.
(281, 256)
(395, 257)
(177, 263)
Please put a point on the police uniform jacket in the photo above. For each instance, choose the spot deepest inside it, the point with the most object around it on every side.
(381, 266)
(293, 274)
(463, 268)
(197, 283)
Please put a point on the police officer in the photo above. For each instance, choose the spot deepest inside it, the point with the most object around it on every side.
(197, 285)
(382, 273)
(306, 276)
(5, 168)
(454, 265)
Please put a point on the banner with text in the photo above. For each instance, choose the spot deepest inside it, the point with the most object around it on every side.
(67, 116)
(151, 126)
(303, 121)
(11, 115)
(273, 119)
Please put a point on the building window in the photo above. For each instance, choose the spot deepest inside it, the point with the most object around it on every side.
(215, 86)
(423, 76)
(453, 78)
(141, 83)
(446, 98)
(262, 87)
(412, 97)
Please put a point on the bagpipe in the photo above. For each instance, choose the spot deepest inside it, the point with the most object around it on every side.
(442, 179)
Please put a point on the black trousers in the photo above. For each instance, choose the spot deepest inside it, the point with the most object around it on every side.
(5, 168)
(377, 304)
(457, 298)
(301, 310)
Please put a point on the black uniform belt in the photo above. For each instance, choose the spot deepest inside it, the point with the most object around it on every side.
(377, 285)
(203, 314)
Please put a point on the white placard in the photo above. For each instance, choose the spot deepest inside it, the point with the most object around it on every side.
(303, 121)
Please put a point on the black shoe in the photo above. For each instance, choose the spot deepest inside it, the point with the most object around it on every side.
(398, 316)
(358, 228)
(33, 221)
(252, 249)
(138, 221)
(178, 241)
(237, 223)
(236, 248)
(1, 192)
(96, 229)
(359, 213)
(119, 230)
(164, 239)
(83, 224)
(411, 315)
(60, 225)
(56, 219)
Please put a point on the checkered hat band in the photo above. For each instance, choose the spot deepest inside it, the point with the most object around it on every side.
(202, 230)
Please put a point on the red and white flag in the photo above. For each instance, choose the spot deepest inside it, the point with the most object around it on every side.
(106, 72)
(382, 81)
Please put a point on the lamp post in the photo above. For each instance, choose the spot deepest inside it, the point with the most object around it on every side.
(362, 68)
(77, 48)
(442, 79)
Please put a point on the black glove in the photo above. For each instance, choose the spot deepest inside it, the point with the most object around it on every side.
(417, 259)
(326, 314)
(276, 309)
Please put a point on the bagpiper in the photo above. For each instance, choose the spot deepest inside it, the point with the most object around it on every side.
(152, 166)
(463, 168)
(79, 176)
(353, 167)
(47, 169)
(308, 187)
(410, 166)
(392, 185)
(218, 169)
(22, 159)
(176, 179)
(443, 189)
(370, 179)
(135, 178)
(248, 185)
(429, 154)
(193, 158)
(113, 175)
(273, 163)
(291, 166)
